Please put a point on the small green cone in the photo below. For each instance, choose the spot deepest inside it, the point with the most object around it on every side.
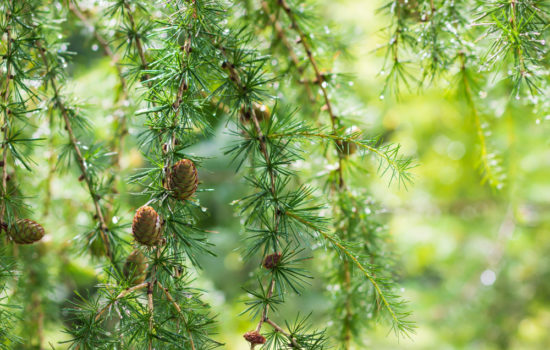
(147, 226)
(26, 231)
(183, 180)
(97, 247)
(135, 267)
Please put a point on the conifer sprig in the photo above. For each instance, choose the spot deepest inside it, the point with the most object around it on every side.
(345, 142)
(489, 167)
(517, 32)
(52, 73)
(507, 39)
(273, 187)
(16, 104)
(117, 144)
(171, 314)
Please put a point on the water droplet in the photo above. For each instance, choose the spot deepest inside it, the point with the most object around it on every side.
(488, 277)
(95, 47)
(381, 97)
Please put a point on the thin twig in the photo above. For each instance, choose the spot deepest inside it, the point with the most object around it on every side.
(121, 130)
(150, 308)
(80, 158)
(322, 84)
(281, 34)
(5, 124)
(355, 261)
(178, 308)
(266, 309)
(139, 45)
(118, 297)
(283, 332)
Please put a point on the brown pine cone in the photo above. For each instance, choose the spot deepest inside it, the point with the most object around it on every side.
(26, 231)
(147, 226)
(184, 179)
(272, 260)
(135, 267)
(254, 337)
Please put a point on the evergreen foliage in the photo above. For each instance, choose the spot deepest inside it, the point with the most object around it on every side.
(267, 72)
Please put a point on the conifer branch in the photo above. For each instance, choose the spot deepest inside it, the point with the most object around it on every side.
(178, 309)
(103, 228)
(283, 332)
(335, 122)
(400, 325)
(166, 134)
(122, 131)
(281, 34)
(121, 295)
(487, 167)
(6, 121)
(235, 77)
(309, 53)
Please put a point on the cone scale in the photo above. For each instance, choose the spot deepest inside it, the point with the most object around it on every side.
(26, 231)
(135, 267)
(183, 179)
(147, 226)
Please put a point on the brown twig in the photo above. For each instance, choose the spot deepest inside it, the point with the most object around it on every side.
(283, 332)
(235, 77)
(139, 45)
(178, 308)
(281, 34)
(150, 288)
(266, 309)
(121, 130)
(7, 112)
(80, 159)
(320, 77)
(118, 297)
(150, 308)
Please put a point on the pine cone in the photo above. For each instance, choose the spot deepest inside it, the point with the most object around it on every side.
(272, 260)
(347, 148)
(254, 337)
(97, 247)
(135, 267)
(26, 231)
(183, 180)
(147, 226)
(261, 111)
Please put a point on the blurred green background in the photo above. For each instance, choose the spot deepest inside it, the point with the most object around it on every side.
(475, 262)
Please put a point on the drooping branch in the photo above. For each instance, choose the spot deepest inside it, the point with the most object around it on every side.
(286, 42)
(76, 148)
(104, 43)
(398, 322)
(7, 113)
